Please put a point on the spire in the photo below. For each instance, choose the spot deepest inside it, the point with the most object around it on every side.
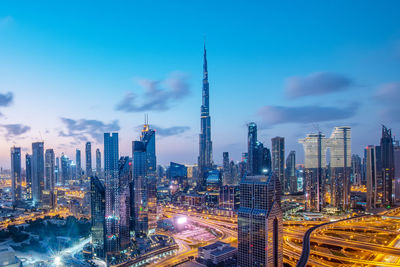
(205, 72)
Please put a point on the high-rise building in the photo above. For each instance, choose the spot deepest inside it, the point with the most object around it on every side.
(98, 163)
(251, 147)
(125, 177)
(111, 156)
(49, 165)
(78, 164)
(37, 171)
(373, 176)
(278, 160)
(260, 225)
(65, 170)
(205, 145)
(16, 179)
(139, 205)
(396, 156)
(28, 168)
(356, 170)
(227, 178)
(387, 159)
(58, 172)
(98, 206)
(340, 166)
(314, 172)
(88, 150)
(290, 173)
(267, 162)
(148, 137)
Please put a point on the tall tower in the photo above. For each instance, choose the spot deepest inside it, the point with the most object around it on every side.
(387, 158)
(205, 144)
(98, 163)
(98, 206)
(49, 165)
(37, 171)
(278, 160)
(16, 174)
(251, 144)
(28, 167)
(88, 159)
(78, 164)
(111, 155)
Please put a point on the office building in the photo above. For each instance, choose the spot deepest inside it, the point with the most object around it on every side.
(65, 169)
(340, 166)
(278, 161)
(37, 171)
(28, 169)
(387, 161)
(290, 173)
(260, 233)
(88, 150)
(111, 157)
(251, 147)
(99, 173)
(124, 196)
(16, 179)
(314, 172)
(356, 170)
(78, 163)
(49, 165)
(98, 209)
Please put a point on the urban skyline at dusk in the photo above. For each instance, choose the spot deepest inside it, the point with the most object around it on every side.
(290, 76)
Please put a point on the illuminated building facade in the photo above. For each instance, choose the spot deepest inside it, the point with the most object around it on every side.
(28, 169)
(314, 172)
(111, 157)
(125, 177)
(139, 205)
(387, 159)
(340, 166)
(88, 150)
(205, 143)
(278, 160)
(98, 209)
(49, 166)
(37, 171)
(16, 179)
(260, 232)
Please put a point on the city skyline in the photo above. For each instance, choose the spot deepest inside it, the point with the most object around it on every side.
(353, 69)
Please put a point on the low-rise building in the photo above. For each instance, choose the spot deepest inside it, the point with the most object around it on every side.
(217, 252)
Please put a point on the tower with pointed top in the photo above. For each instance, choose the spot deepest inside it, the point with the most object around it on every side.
(205, 144)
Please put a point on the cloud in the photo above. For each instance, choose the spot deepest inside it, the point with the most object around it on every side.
(6, 21)
(318, 83)
(272, 115)
(6, 99)
(388, 93)
(388, 96)
(14, 130)
(175, 130)
(158, 95)
(84, 129)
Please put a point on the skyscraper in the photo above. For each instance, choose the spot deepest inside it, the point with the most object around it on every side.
(65, 170)
(58, 171)
(148, 137)
(125, 177)
(278, 160)
(37, 171)
(16, 180)
(205, 145)
(88, 150)
(78, 164)
(111, 154)
(387, 159)
(315, 171)
(251, 147)
(140, 209)
(373, 173)
(340, 166)
(356, 170)
(49, 165)
(226, 169)
(28, 169)
(98, 163)
(97, 209)
(290, 173)
(260, 225)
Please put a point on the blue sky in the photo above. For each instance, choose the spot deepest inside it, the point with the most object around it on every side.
(292, 67)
